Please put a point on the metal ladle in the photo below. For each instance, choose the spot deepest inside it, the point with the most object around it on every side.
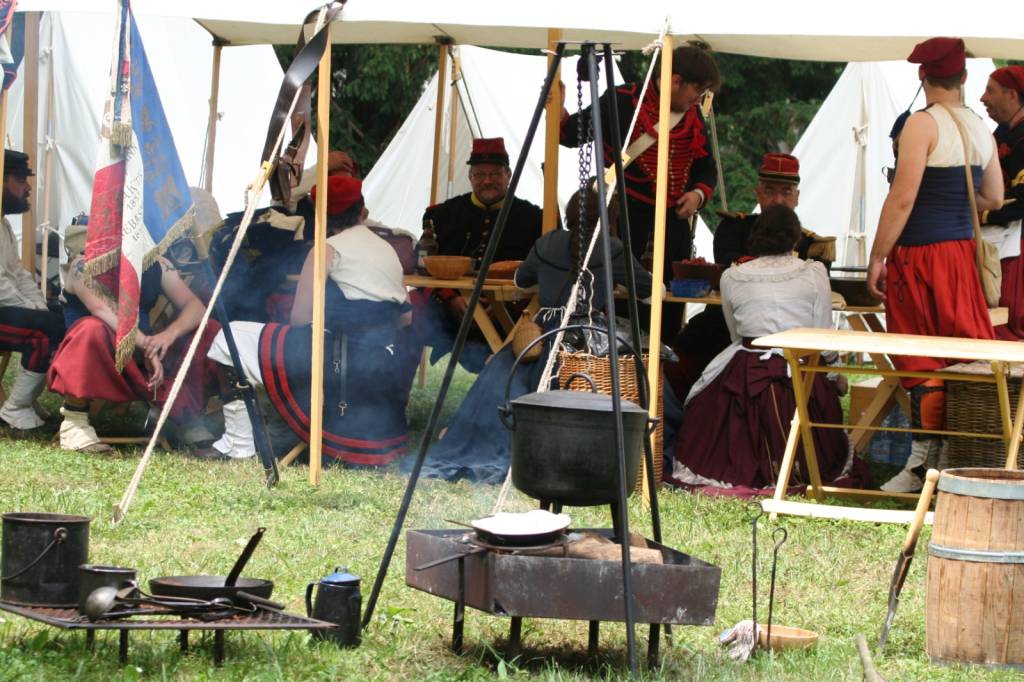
(101, 601)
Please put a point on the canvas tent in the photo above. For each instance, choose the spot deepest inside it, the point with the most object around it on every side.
(75, 50)
(846, 147)
(397, 189)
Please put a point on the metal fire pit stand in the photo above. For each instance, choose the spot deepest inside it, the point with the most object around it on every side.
(517, 584)
(69, 619)
(589, 54)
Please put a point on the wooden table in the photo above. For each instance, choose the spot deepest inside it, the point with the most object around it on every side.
(500, 291)
(802, 347)
(889, 392)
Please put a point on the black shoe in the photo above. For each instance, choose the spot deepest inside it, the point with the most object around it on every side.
(209, 455)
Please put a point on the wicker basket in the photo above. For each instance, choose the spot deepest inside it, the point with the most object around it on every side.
(599, 369)
(971, 406)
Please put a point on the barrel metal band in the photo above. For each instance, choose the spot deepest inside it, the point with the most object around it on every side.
(977, 555)
(976, 488)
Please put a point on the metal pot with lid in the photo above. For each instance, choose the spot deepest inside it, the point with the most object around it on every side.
(563, 442)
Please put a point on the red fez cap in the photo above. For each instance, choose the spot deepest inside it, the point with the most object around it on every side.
(939, 57)
(342, 192)
(780, 168)
(489, 150)
(340, 163)
(1010, 77)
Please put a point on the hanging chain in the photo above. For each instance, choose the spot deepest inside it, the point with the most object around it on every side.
(585, 136)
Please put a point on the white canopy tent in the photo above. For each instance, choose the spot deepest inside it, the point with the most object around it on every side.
(397, 189)
(793, 29)
(74, 51)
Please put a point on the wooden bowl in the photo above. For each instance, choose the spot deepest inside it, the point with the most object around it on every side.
(504, 269)
(448, 267)
(712, 272)
(785, 637)
(854, 290)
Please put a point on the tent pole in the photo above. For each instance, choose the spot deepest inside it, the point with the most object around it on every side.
(323, 134)
(47, 175)
(30, 142)
(453, 124)
(442, 67)
(211, 126)
(553, 117)
(660, 207)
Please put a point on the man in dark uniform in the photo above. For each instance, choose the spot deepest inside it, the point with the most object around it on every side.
(778, 182)
(27, 325)
(691, 171)
(462, 226)
(1004, 101)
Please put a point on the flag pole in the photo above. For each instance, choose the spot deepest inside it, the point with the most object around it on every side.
(323, 145)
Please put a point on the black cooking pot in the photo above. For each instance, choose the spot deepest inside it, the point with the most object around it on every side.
(563, 442)
(40, 557)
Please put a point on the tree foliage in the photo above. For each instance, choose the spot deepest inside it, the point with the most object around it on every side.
(374, 87)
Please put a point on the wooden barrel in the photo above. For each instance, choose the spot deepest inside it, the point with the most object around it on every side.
(975, 604)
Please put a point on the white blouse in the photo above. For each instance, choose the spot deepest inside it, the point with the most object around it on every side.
(767, 295)
(774, 293)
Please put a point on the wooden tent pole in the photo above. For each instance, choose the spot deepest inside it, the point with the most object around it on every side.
(660, 207)
(30, 143)
(442, 81)
(553, 117)
(453, 124)
(47, 175)
(323, 134)
(211, 126)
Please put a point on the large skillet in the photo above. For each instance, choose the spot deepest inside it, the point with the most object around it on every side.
(242, 591)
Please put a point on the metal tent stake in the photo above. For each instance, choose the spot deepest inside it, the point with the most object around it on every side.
(460, 341)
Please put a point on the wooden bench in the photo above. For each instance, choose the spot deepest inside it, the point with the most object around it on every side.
(802, 347)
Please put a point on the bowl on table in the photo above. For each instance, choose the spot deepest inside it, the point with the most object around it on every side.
(712, 272)
(854, 291)
(447, 267)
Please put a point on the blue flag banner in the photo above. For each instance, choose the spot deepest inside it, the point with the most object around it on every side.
(141, 201)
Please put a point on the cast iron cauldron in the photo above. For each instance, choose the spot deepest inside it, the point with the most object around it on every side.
(563, 442)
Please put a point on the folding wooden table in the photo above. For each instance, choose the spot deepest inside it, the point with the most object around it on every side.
(802, 348)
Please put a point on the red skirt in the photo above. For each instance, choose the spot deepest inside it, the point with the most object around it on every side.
(735, 430)
(1012, 297)
(83, 368)
(934, 290)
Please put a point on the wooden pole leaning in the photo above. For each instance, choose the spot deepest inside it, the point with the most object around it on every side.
(660, 208)
(30, 126)
(316, 398)
(442, 82)
(552, 130)
(211, 125)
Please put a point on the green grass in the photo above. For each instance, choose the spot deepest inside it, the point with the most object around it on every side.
(193, 517)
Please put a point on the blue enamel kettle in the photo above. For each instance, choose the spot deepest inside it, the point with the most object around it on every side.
(337, 601)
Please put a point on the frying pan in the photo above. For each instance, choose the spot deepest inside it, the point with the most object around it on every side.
(242, 591)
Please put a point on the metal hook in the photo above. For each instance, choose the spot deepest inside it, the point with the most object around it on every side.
(780, 535)
(754, 513)
(780, 541)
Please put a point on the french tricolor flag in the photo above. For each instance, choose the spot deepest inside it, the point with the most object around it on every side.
(140, 199)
